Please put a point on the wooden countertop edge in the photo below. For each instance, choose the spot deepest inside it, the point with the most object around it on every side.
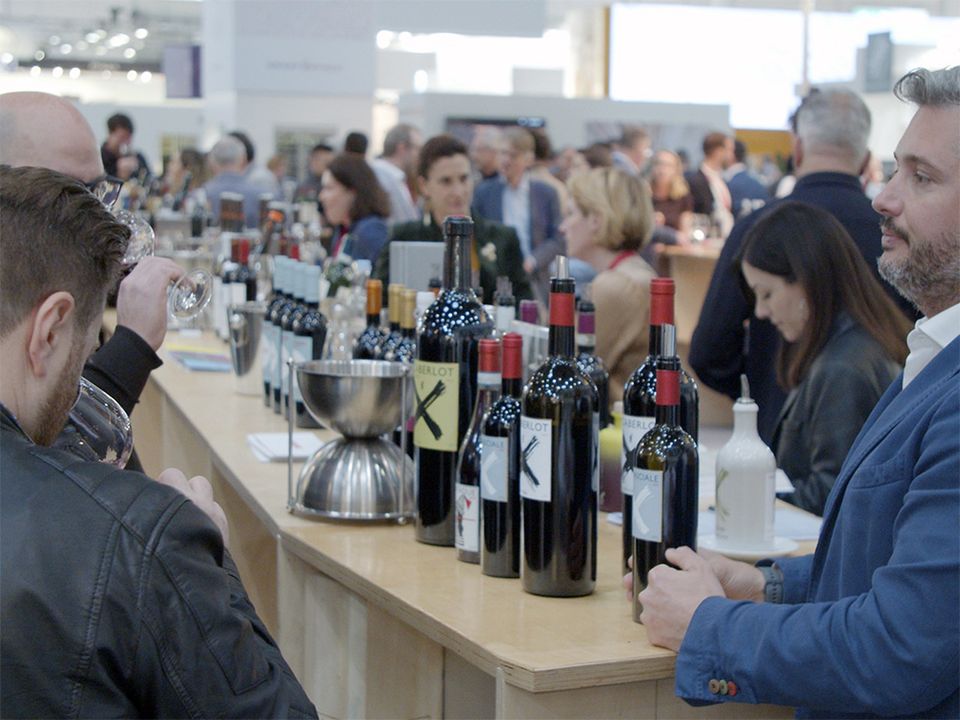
(528, 678)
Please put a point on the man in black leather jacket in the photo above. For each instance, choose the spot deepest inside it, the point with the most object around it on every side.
(118, 595)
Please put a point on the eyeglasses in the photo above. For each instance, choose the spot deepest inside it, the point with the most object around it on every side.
(106, 189)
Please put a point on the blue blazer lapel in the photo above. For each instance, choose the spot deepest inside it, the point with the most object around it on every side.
(894, 407)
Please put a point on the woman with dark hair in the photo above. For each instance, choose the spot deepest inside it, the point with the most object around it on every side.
(445, 182)
(609, 221)
(357, 207)
(843, 339)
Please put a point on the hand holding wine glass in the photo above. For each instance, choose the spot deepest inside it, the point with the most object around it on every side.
(142, 299)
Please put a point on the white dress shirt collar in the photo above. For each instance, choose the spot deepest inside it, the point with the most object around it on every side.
(928, 337)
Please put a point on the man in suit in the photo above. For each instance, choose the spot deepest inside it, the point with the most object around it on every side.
(830, 150)
(445, 182)
(868, 625)
(632, 150)
(747, 193)
(529, 206)
(401, 147)
(711, 196)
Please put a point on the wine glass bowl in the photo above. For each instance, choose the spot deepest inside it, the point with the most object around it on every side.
(142, 240)
(190, 294)
(97, 429)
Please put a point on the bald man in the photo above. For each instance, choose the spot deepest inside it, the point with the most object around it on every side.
(43, 130)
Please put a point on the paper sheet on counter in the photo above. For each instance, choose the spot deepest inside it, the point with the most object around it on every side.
(272, 447)
(787, 523)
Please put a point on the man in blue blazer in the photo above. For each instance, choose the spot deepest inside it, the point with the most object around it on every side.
(870, 624)
(530, 206)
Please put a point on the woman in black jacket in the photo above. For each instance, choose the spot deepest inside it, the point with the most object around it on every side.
(843, 339)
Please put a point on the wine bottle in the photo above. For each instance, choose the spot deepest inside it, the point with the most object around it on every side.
(505, 310)
(394, 310)
(559, 439)
(288, 304)
(587, 358)
(500, 470)
(268, 335)
(309, 333)
(406, 348)
(445, 382)
(665, 477)
(467, 500)
(244, 278)
(291, 313)
(369, 345)
(640, 400)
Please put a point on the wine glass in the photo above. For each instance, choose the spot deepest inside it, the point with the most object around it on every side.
(97, 428)
(191, 293)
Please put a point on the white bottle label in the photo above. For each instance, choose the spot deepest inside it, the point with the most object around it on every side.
(634, 428)
(302, 347)
(648, 505)
(238, 293)
(268, 351)
(219, 312)
(467, 519)
(286, 350)
(536, 439)
(280, 364)
(493, 468)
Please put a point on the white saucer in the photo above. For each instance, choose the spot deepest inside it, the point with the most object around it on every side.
(781, 546)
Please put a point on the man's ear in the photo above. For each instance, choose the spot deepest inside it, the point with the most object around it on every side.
(51, 331)
(865, 163)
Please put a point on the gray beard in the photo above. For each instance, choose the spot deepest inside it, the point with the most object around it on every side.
(930, 274)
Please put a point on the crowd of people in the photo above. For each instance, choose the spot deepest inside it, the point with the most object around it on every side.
(813, 298)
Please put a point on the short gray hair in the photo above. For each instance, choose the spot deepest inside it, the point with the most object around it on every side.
(836, 120)
(930, 87)
(228, 152)
(397, 135)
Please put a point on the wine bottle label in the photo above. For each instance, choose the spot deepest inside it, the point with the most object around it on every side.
(302, 347)
(286, 351)
(596, 452)
(280, 365)
(648, 505)
(268, 350)
(536, 453)
(634, 428)
(238, 293)
(493, 468)
(437, 413)
(467, 528)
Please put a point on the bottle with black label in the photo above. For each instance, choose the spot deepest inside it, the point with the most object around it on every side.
(467, 499)
(665, 477)
(640, 400)
(500, 470)
(369, 345)
(587, 357)
(559, 461)
(445, 383)
(309, 333)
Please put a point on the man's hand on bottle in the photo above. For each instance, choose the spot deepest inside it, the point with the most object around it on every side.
(142, 299)
(199, 490)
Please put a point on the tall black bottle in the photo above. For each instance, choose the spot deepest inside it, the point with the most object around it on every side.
(445, 381)
(369, 345)
(309, 333)
(559, 469)
(469, 466)
(640, 400)
(291, 314)
(270, 334)
(665, 481)
(281, 311)
(500, 470)
(587, 357)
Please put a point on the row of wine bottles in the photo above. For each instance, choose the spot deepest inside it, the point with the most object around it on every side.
(497, 461)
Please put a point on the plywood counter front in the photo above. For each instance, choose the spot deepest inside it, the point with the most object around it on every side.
(378, 625)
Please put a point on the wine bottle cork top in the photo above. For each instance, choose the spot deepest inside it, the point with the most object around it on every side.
(460, 225)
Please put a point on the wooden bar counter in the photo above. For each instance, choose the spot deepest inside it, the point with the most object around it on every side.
(376, 624)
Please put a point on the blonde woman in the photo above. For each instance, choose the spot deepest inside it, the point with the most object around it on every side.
(609, 221)
(672, 201)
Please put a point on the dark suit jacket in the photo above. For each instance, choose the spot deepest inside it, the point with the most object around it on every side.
(722, 348)
(746, 193)
(504, 258)
(701, 192)
(545, 219)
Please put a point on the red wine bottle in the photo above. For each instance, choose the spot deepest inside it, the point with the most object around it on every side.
(268, 336)
(290, 313)
(406, 348)
(394, 311)
(286, 268)
(587, 358)
(445, 383)
(245, 277)
(640, 400)
(500, 470)
(369, 345)
(467, 500)
(665, 477)
(309, 333)
(559, 441)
